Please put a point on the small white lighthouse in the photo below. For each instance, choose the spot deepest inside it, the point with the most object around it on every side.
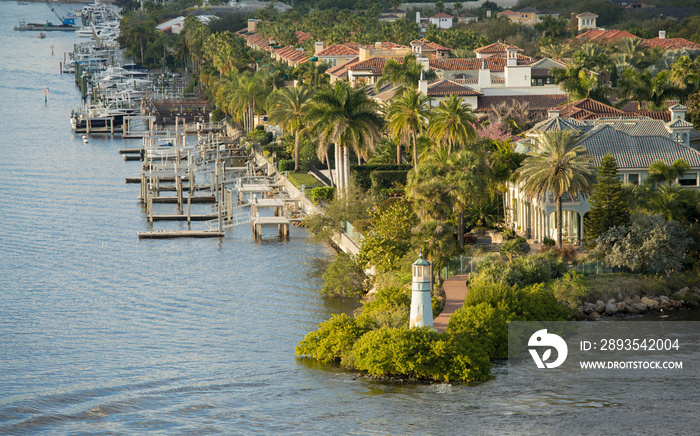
(421, 307)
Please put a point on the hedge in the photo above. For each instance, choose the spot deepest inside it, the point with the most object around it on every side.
(286, 165)
(385, 180)
(322, 193)
(363, 173)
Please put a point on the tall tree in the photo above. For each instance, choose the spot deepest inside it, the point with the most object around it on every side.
(608, 208)
(287, 108)
(346, 117)
(558, 164)
(405, 73)
(452, 124)
(642, 86)
(407, 117)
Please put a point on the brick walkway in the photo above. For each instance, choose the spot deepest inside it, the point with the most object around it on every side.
(455, 291)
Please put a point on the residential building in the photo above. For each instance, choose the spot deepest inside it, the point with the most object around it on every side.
(586, 21)
(634, 142)
(528, 16)
(442, 20)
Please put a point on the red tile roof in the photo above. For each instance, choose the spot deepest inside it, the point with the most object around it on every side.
(375, 65)
(587, 109)
(496, 47)
(442, 15)
(671, 43)
(605, 36)
(347, 49)
(302, 37)
(342, 69)
(427, 45)
(448, 87)
(493, 63)
(506, 13)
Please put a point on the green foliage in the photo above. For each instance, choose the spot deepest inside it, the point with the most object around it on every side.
(388, 237)
(421, 353)
(343, 277)
(389, 307)
(286, 165)
(489, 306)
(512, 248)
(522, 271)
(387, 180)
(693, 114)
(333, 341)
(548, 242)
(363, 173)
(650, 245)
(351, 207)
(303, 179)
(570, 289)
(608, 208)
(217, 114)
(264, 138)
(322, 193)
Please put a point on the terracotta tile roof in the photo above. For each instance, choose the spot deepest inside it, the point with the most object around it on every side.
(493, 63)
(587, 109)
(342, 69)
(446, 87)
(348, 49)
(496, 47)
(671, 43)
(605, 36)
(655, 115)
(375, 65)
(535, 102)
(425, 44)
(442, 15)
(586, 15)
(302, 37)
(506, 13)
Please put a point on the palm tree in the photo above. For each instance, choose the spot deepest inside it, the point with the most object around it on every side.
(348, 118)
(452, 123)
(556, 51)
(467, 177)
(642, 86)
(407, 117)
(405, 73)
(559, 164)
(248, 98)
(287, 108)
(580, 84)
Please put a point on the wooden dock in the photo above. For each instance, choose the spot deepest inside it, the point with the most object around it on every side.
(180, 217)
(173, 234)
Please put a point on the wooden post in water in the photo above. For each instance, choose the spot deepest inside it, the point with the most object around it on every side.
(149, 205)
(230, 204)
(111, 127)
(178, 188)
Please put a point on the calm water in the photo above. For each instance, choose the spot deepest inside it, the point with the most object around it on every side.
(103, 334)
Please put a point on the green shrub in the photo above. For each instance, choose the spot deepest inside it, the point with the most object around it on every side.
(383, 181)
(512, 248)
(363, 173)
(217, 115)
(322, 193)
(548, 242)
(421, 353)
(343, 277)
(537, 268)
(286, 165)
(509, 234)
(570, 289)
(333, 341)
(274, 148)
(489, 306)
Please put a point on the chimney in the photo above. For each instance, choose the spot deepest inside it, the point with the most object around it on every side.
(662, 34)
(252, 25)
(377, 44)
(318, 47)
(553, 113)
(512, 57)
(488, 14)
(484, 76)
(424, 62)
(418, 17)
(423, 84)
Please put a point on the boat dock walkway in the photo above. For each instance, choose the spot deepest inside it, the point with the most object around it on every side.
(455, 292)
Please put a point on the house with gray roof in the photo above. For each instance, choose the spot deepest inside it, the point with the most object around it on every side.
(634, 142)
